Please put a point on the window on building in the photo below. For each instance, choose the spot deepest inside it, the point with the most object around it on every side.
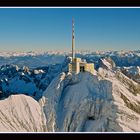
(82, 69)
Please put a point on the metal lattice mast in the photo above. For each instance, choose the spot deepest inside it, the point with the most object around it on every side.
(73, 40)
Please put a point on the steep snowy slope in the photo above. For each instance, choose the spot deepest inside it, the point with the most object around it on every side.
(20, 113)
(126, 95)
(85, 102)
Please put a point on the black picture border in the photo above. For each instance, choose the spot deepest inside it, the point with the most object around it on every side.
(69, 3)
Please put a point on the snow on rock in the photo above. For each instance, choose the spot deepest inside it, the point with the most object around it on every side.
(19, 86)
(109, 100)
(106, 64)
(32, 82)
(132, 72)
(125, 94)
(38, 71)
(21, 113)
(78, 102)
(84, 102)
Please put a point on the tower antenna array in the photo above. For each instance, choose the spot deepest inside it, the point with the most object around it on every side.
(73, 40)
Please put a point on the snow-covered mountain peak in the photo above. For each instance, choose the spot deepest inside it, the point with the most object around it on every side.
(20, 113)
(108, 100)
(84, 102)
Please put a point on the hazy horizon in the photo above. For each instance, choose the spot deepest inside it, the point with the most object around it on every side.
(48, 29)
(67, 51)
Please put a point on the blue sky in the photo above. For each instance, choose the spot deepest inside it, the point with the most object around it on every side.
(26, 29)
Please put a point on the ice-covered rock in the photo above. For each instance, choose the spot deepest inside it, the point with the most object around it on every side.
(21, 113)
(84, 102)
(132, 72)
(107, 63)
